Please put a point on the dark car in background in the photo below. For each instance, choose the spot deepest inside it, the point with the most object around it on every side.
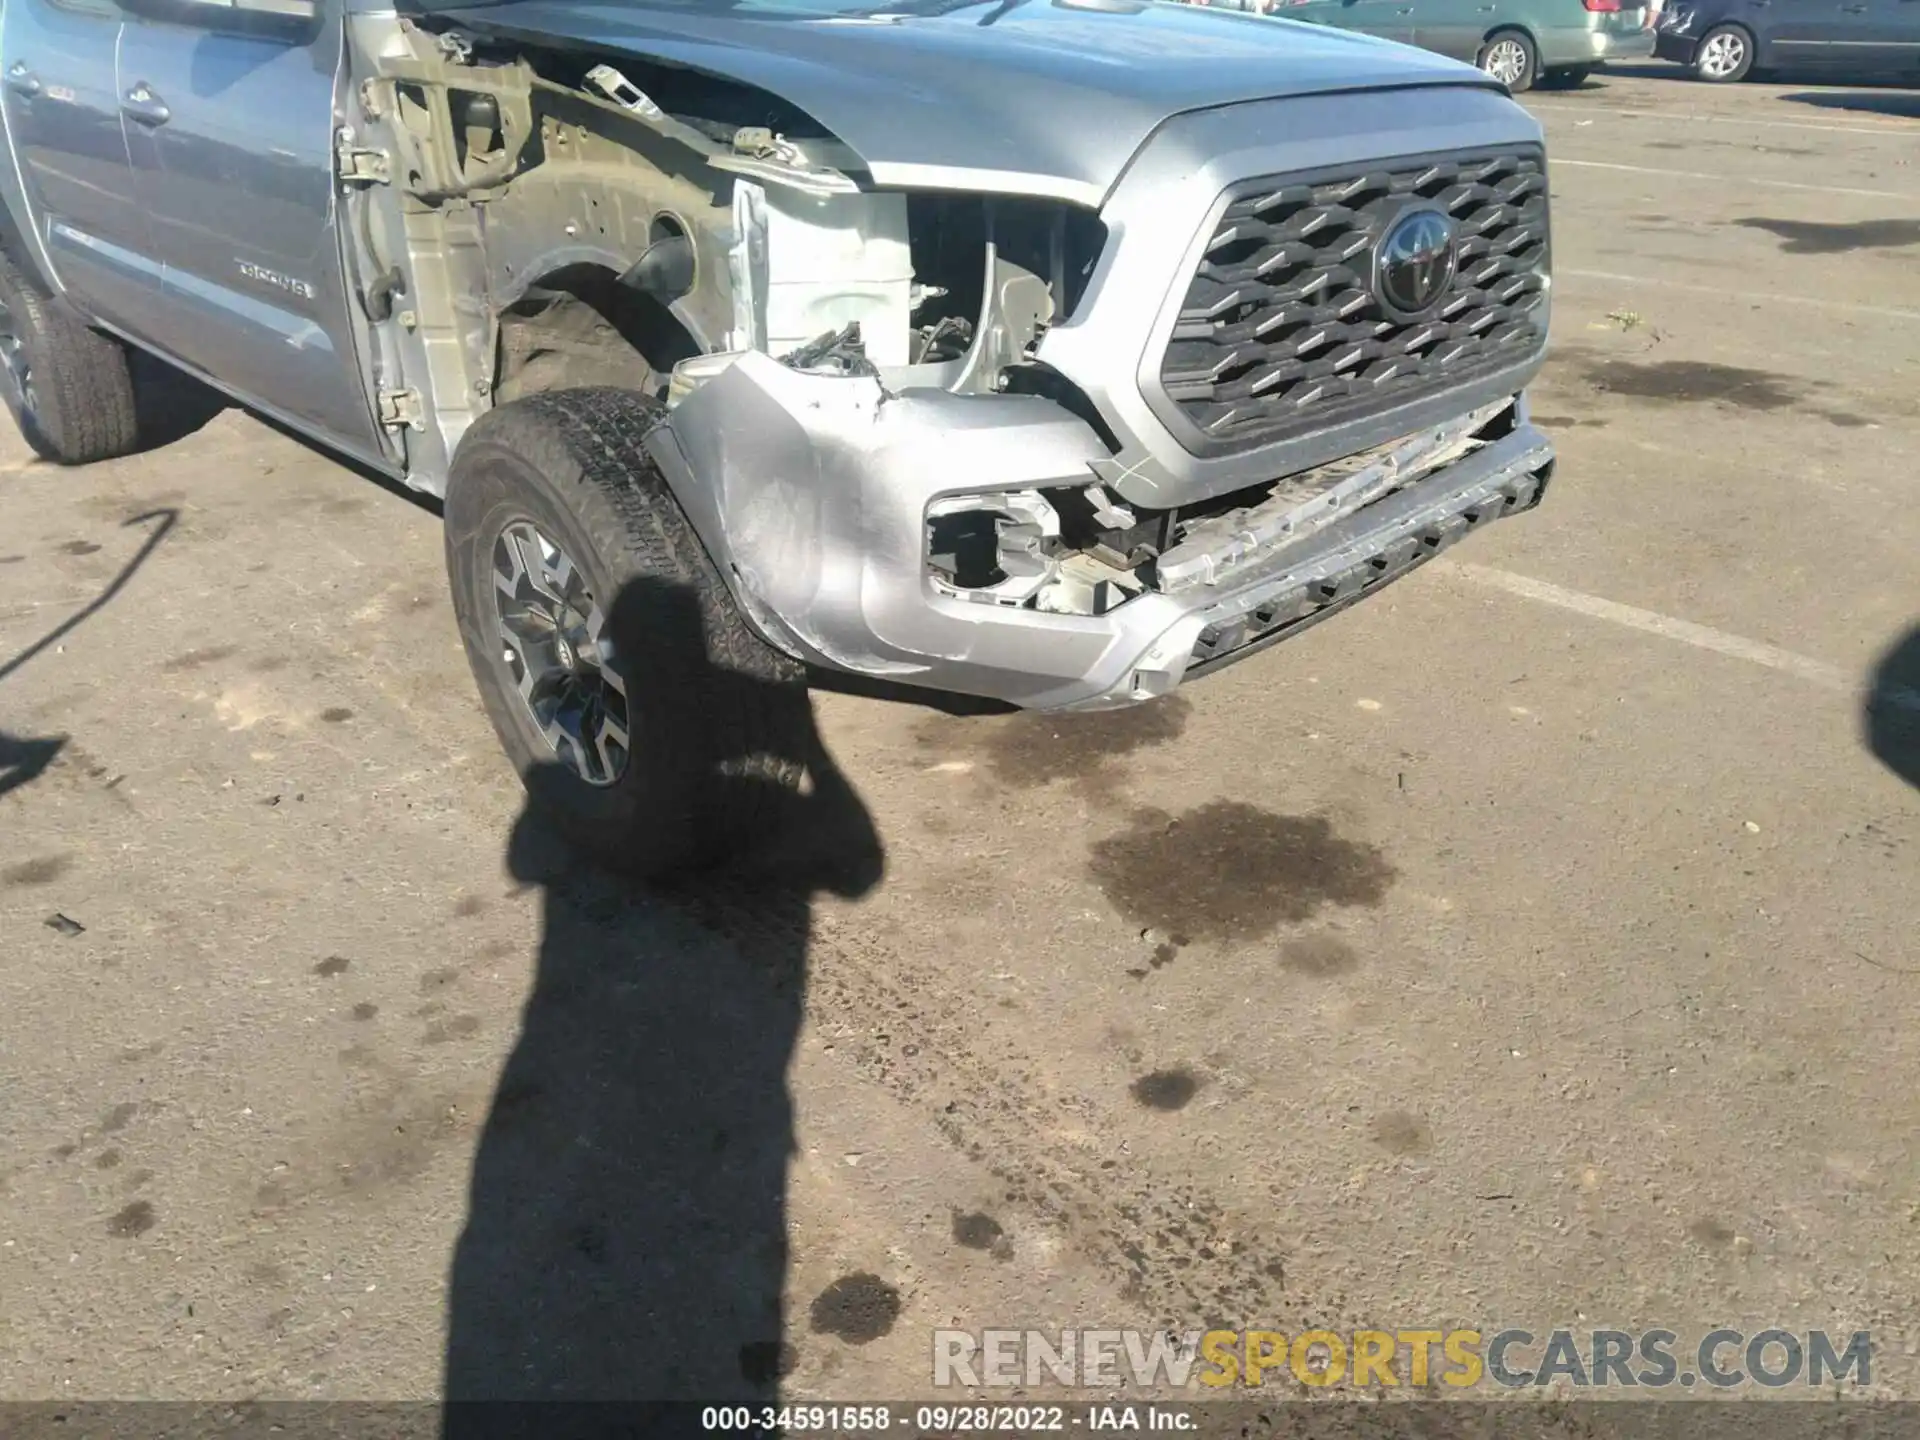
(1518, 42)
(1723, 41)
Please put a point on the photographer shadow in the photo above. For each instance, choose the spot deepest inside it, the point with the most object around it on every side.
(1891, 715)
(626, 1238)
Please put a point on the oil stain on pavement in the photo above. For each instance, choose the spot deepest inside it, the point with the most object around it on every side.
(1698, 382)
(1166, 1089)
(1232, 871)
(977, 1230)
(1318, 956)
(855, 1308)
(1692, 382)
(1710, 1232)
(41, 871)
(133, 1220)
(1399, 1133)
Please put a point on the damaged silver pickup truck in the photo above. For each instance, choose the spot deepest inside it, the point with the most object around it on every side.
(1051, 351)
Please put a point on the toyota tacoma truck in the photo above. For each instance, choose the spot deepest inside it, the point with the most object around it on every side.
(1050, 351)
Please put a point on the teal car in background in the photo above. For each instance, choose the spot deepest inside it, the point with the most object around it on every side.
(1518, 42)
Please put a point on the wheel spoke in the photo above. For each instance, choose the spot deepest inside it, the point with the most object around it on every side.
(527, 638)
(603, 653)
(566, 585)
(538, 563)
(529, 624)
(568, 747)
(557, 655)
(610, 742)
(508, 580)
(16, 371)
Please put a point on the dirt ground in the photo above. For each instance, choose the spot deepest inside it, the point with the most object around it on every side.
(1533, 945)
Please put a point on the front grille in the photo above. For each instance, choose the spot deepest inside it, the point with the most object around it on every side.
(1280, 332)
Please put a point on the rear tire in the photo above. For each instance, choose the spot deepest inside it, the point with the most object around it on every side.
(1724, 55)
(1510, 57)
(714, 720)
(67, 385)
(1570, 77)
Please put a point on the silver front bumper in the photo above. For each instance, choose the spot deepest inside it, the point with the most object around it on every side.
(811, 493)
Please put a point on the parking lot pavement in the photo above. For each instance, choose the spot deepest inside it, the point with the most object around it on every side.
(1531, 945)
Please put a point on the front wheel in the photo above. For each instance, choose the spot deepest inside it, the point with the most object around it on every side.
(1509, 57)
(1725, 55)
(652, 727)
(67, 386)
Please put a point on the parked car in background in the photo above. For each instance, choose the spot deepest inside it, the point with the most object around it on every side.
(1518, 42)
(1723, 41)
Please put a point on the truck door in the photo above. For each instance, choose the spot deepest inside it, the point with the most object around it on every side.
(63, 116)
(230, 123)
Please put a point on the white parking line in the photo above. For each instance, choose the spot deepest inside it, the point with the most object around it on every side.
(1757, 297)
(1897, 129)
(1560, 162)
(1701, 637)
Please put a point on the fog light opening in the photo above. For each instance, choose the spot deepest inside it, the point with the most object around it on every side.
(1064, 551)
(964, 549)
(996, 548)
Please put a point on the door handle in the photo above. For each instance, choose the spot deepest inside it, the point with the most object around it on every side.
(21, 80)
(142, 105)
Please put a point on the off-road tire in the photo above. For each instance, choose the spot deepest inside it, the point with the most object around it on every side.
(76, 402)
(1567, 77)
(1528, 70)
(718, 719)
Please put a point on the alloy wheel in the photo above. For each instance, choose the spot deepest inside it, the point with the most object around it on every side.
(556, 650)
(1722, 55)
(16, 370)
(1506, 61)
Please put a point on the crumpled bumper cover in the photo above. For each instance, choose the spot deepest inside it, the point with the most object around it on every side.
(811, 493)
(1381, 543)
